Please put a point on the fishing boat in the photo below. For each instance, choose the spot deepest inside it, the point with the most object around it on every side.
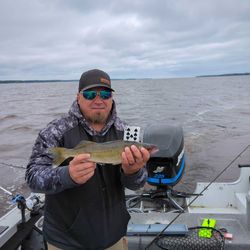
(215, 216)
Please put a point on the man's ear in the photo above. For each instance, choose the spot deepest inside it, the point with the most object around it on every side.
(78, 97)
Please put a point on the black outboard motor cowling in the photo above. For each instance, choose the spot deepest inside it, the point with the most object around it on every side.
(165, 167)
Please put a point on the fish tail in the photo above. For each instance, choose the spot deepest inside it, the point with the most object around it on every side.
(59, 155)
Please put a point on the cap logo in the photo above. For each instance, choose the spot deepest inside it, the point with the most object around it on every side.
(104, 81)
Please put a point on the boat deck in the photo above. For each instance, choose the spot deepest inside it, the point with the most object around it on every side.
(235, 224)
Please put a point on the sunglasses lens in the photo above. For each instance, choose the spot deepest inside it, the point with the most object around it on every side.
(105, 94)
(89, 94)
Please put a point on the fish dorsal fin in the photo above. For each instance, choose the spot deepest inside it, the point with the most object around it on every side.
(84, 143)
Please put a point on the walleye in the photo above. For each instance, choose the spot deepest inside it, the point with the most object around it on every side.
(106, 152)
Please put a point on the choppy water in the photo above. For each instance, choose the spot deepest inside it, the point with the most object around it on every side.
(213, 111)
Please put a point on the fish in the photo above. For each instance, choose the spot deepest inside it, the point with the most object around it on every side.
(103, 153)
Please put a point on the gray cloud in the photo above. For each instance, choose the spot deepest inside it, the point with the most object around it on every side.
(59, 39)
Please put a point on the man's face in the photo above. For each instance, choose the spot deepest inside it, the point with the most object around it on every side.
(96, 111)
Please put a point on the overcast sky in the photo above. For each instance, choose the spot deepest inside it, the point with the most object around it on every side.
(59, 39)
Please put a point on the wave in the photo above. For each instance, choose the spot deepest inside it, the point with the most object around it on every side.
(18, 128)
(22, 128)
(8, 117)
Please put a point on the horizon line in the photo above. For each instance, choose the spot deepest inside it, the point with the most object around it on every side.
(130, 78)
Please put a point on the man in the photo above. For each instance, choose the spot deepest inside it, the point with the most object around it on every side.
(85, 202)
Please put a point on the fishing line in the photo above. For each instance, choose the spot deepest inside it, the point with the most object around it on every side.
(196, 197)
(11, 165)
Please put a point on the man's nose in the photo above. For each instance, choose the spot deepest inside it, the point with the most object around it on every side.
(98, 99)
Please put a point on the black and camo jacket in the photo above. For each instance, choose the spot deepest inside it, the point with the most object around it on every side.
(88, 216)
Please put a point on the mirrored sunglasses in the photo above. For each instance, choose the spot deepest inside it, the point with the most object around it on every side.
(91, 94)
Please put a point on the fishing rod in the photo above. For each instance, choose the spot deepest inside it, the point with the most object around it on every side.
(196, 197)
(6, 191)
(18, 232)
(33, 204)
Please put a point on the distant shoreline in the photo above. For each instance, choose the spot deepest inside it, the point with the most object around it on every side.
(41, 81)
(32, 81)
(232, 74)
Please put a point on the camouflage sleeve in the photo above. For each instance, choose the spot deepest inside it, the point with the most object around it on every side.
(40, 175)
(135, 181)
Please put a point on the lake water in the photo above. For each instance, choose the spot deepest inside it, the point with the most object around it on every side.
(213, 111)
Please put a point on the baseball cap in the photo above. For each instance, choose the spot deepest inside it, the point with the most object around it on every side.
(94, 78)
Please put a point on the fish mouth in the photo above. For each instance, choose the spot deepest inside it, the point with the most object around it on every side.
(153, 150)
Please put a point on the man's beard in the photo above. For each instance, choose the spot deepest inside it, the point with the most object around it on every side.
(98, 118)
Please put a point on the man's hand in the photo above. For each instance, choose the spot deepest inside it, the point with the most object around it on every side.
(133, 159)
(80, 169)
